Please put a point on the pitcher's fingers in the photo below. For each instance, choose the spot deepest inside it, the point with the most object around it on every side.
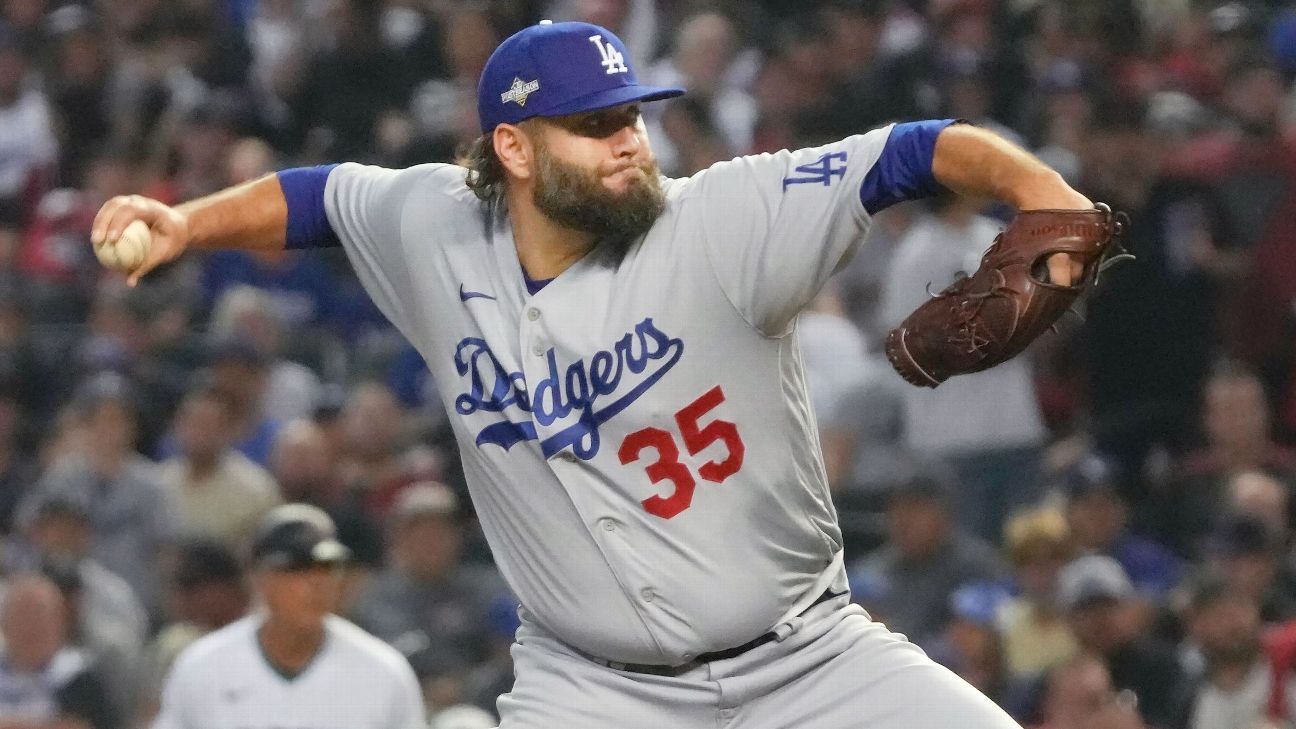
(122, 216)
(156, 257)
(1058, 270)
(149, 264)
(99, 229)
(1065, 269)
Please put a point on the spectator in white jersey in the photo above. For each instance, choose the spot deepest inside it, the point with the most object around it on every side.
(292, 663)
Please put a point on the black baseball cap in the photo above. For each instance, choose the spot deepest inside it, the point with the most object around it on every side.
(295, 536)
(202, 561)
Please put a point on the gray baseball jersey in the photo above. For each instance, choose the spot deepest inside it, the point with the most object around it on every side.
(637, 435)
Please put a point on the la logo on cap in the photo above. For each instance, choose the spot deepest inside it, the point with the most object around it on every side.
(613, 61)
(519, 91)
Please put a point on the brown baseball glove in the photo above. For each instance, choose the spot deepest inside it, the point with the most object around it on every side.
(992, 315)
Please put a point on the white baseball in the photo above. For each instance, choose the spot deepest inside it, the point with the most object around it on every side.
(129, 251)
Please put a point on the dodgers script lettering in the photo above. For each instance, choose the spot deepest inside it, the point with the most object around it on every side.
(627, 370)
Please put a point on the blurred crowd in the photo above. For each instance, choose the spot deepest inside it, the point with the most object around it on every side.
(1098, 534)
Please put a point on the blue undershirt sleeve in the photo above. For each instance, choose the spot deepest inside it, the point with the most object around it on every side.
(904, 170)
(308, 226)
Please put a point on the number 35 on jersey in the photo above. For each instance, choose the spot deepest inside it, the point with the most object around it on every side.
(698, 433)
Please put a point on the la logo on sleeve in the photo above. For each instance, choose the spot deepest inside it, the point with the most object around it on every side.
(613, 61)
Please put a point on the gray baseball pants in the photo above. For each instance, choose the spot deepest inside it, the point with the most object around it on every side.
(837, 669)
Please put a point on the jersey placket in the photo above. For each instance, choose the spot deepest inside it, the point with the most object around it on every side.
(606, 530)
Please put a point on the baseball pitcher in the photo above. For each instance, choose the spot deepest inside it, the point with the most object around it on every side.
(618, 353)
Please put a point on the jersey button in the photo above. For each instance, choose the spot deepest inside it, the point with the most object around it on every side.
(647, 594)
(538, 349)
(608, 525)
(533, 314)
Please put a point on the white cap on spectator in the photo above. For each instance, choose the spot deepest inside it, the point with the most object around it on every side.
(1092, 578)
(425, 498)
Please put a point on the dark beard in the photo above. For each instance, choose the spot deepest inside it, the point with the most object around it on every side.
(577, 199)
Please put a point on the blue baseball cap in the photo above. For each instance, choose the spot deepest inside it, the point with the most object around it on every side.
(552, 69)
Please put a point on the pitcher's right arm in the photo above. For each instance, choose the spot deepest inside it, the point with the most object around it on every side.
(253, 216)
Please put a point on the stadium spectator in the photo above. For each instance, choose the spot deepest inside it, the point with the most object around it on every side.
(79, 84)
(279, 42)
(1261, 496)
(17, 471)
(131, 518)
(637, 22)
(59, 531)
(1100, 603)
(45, 682)
(28, 147)
(856, 402)
(241, 369)
(300, 288)
(120, 341)
(347, 85)
(705, 58)
(55, 261)
(1035, 634)
(375, 446)
(910, 579)
(207, 590)
(1236, 680)
(1249, 557)
(1079, 695)
(1235, 421)
(1098, 520)
(969, 645)
(215, 490)
(193, 148)
(1149, 339)
(248, 312)
(115, 651)
(304, 464)
(426, 602)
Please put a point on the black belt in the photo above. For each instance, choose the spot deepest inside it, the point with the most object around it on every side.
(707, 657)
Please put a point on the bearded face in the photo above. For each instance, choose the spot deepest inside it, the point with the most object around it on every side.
(579, 197)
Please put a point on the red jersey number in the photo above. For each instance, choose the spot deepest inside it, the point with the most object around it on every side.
(696, 437)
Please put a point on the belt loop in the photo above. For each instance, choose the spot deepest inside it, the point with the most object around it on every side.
(783, 630)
